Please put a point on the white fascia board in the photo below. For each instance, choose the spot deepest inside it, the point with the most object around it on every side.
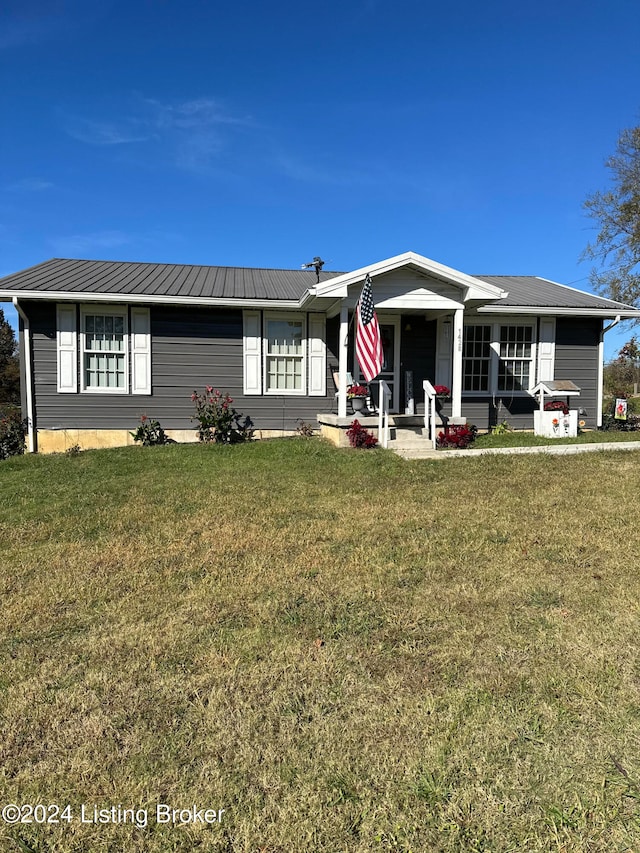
(339, 286)
(133, 298)
(603, 313)
(416, 303)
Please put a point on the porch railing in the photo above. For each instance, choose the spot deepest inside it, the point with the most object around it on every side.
(384, 395)
(430, 411)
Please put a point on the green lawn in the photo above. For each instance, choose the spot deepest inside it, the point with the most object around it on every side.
(344, 650)
(520, 438)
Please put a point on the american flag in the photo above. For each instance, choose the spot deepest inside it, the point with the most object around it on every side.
(368, 342)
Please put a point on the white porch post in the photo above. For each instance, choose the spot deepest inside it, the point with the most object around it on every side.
(343, 341)
(456, 383)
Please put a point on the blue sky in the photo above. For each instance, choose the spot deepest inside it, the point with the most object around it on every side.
(262, 134)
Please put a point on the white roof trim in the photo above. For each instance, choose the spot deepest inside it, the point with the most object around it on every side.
(338, 286)
(130, 298)
(290, 304)
(605, 312)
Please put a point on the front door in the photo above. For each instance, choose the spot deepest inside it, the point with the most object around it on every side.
(390, 334)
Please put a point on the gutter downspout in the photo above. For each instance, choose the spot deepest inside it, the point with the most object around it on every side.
(601, 368)
(27, 372)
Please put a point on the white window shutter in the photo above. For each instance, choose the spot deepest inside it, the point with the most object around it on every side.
(547, 349)
(140, 351)
(252, 352)
(317, 355)
(67, 345)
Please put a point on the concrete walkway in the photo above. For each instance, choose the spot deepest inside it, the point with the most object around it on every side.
(552, 449)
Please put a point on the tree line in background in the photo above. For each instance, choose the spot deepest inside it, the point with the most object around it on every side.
(617, 251)
(9, 365)
(622, 374)
(617, 212)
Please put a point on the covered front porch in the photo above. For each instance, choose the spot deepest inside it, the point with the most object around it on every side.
(420, 307)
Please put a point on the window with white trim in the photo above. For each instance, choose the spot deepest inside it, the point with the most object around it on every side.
(104, 351)
(515, 358)
(284, 345)
(476, 358)
(498, 357)
(284, 353)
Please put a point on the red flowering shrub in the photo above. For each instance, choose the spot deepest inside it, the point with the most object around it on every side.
(457, 436)
(360, 437)
(556, 406)
(218, 420)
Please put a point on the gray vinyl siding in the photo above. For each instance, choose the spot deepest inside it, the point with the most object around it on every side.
(576, 358)
(190, 348)
(487, 412)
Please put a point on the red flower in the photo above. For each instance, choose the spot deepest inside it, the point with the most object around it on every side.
(556, 406)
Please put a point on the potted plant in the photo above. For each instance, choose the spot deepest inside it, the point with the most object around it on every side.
(442, 395)
(358, 395)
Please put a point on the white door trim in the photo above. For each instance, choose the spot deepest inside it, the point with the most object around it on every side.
(395, 321)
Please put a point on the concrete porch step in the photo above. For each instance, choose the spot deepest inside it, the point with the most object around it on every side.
(416, 453)
(409, 440)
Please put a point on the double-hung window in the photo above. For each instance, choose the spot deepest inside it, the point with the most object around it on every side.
(498, 357)
(515, 365)
(476, 358)
(285, 354)
(103, 349)
(104, 356)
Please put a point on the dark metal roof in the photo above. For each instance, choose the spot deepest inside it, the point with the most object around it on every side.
(187, 281)
(529, 291)
(60, 275)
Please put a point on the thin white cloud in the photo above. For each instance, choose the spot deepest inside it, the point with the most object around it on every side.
(102, 242)
(103, 132)
(197, 113)
(363, 175)
(24, 23)
(30, 185)
(192, 133)
(82, 244)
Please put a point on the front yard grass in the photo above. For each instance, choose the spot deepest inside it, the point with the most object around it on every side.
(344, 650)
(521, 438)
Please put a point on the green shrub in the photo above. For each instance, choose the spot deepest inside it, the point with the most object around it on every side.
(149, 433)
(12, 434)
(501, 428)
(611, 424)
